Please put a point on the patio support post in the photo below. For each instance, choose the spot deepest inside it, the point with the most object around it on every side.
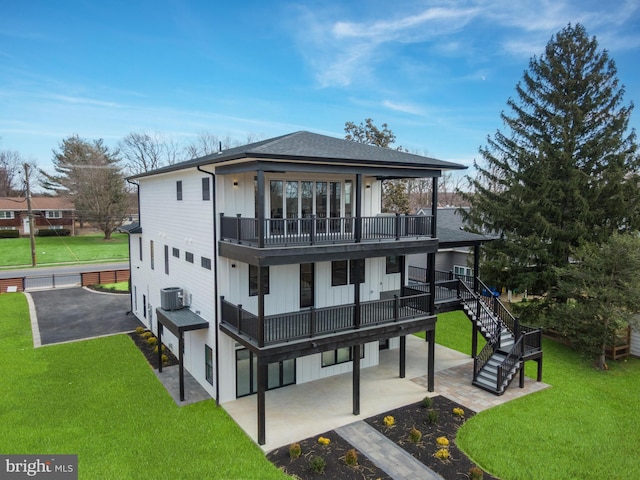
(432, 282)
(403, 355)
(474, 340)
(262, 388)
(521, 375)
(356, 379)
(181, 362)
(431, 338)
(434, 208)
(159, 347)
(261, 306)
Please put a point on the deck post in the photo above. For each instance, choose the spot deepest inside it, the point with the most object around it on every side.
(359, 201)
(159, 347)
(356, 379)
(181, 363)
(431, 337)
(262, 388)
(261, 207)
(403, 355)
(474, 340)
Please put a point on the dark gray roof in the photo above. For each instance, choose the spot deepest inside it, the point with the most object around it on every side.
(313, 147)
(451, 229)
(130, 228)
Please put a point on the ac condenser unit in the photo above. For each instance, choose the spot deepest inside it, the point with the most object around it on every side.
(171, 298)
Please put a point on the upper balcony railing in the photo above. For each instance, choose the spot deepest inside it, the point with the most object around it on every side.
(274, 232)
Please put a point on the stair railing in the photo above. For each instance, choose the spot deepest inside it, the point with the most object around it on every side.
(485, 355)
(489, 323)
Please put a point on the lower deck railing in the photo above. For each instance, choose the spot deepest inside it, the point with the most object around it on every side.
(323, 321)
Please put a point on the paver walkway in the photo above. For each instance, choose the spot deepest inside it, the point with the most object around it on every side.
(395, 461)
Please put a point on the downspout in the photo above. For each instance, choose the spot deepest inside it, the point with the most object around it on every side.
(129, 236)
(215, 277)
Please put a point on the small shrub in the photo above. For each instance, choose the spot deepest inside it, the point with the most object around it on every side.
(443, 454)
(147, 334)
(415, 435)
(324, 441)
(351, 457)
(427, 402)
(442, 441)
(458, 412)
(53, 232)
(139, 330)
(433, 417)
(476, 473)
(9, 234)
(389, 421)
(317, 464)
(152, 341)
(295, 450)
(155, 349)
(165, 358)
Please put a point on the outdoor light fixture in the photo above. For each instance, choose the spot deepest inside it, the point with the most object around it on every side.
(235, 183)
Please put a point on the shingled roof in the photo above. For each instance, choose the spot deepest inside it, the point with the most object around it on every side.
(313, 147)
(451, 232)
(37, 203)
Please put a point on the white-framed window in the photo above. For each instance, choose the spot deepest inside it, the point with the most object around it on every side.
(55, 227)
(7, 214)
(7, 228)
(459, 270)
(53, 214)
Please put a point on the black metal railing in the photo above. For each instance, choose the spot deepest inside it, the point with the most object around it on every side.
(272, 232)
(313, 322)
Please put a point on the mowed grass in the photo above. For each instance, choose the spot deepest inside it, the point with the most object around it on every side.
(99, 399)
(118, 286)
(16, 252)
(586, 425)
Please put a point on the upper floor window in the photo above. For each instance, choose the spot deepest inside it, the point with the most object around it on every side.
(188, 256)
(140, 247)
(166, 259)
(341, 275)
(53, 214)
(151, 254)
(179, 190)
(206, 189)
(176, 252)
(6, 214)
(394, 264)
(253, 280)
(205, 263)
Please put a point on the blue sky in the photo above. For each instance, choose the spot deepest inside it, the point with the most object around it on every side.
(437, 72)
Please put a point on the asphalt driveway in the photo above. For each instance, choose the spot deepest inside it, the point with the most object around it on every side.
(76, 313)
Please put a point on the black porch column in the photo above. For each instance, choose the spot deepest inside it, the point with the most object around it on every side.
(434, 207)
(262, 388)
(474, 340)
(431, 338)
(261, 289)
(159, 347)
(403, 355)
(358, 196)
(180, 361)
(356, 379)
(431, 260)
(260, 203)
(476, 267)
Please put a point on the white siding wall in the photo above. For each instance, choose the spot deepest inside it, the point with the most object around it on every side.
(188, 226)
(635, 341)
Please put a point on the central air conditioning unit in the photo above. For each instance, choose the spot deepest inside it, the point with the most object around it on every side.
(171, 298)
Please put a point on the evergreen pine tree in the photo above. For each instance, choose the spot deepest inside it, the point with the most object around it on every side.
(565, 170)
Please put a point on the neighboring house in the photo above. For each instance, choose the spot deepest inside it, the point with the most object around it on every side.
(271, 264)
(48, 213)
(457, 249)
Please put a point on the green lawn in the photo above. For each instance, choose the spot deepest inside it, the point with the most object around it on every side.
(586, 425)
(16, 252)
(118, 287)
(99, 399)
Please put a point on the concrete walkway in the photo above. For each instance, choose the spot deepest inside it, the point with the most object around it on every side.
(395, 461)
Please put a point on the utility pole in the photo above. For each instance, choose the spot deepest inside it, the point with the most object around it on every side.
(30, 213)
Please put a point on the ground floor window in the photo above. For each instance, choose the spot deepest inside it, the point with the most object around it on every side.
(462, 271)
(341, 355)
(279, 374)
(208, 363)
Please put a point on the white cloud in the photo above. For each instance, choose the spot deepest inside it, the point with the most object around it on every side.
(404, 107)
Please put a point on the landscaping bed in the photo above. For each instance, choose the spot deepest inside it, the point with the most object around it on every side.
(141, 339)
(417, 415)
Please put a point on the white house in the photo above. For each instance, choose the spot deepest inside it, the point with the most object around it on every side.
(271, 264)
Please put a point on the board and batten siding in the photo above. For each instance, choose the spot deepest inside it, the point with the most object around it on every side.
(635, 341)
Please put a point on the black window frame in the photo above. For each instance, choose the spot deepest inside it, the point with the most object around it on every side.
(253, 280)
(152, 255)
(343, 273)
(176, 252)
(140, 247)
(392, 266)
(166, 259)
(188, 256)
(208, 364)
(179, 190)
(206, 189)
(205, 263)
(335, 357)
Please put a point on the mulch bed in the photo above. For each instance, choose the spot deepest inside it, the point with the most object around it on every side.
(407, 417)
(417, 415)
(333, 455)
(149, 354)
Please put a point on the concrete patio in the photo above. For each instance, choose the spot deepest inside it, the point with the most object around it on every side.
(300, 411)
